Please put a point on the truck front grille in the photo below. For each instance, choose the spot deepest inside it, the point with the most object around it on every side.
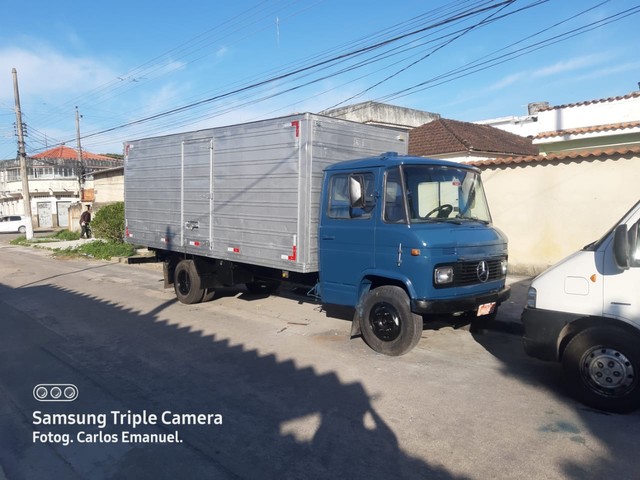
(475, 272)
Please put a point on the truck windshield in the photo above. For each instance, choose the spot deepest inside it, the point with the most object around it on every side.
(443, 194)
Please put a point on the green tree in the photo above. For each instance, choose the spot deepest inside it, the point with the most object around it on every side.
(108, 223)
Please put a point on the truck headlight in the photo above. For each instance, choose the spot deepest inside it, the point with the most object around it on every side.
(443, 275)
(503, 266)
(532, 295)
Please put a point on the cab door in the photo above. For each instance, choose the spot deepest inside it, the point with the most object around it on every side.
(347, 237)
(622, 287)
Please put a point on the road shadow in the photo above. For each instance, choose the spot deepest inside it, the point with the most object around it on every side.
(280, 420)
(503, 340)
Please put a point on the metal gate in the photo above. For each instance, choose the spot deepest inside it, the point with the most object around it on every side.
(63, 213)
(44, 214)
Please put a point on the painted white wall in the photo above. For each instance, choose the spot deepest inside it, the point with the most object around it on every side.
(548, 211)
(578, 116)
(599, 113)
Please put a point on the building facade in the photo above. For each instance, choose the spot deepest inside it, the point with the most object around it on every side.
(56, 181)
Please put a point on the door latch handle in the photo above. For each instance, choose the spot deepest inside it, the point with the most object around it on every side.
(191, 225)
(328, 237)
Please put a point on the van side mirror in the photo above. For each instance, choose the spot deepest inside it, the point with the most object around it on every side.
(621, 250)
(356, 191)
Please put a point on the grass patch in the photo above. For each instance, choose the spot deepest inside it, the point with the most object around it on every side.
(59, 236)
(98, 249)
(21, 240)
(65, 235)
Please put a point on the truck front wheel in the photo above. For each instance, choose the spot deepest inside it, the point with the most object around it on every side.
(387, 323)
(602, 365)
(187, 283)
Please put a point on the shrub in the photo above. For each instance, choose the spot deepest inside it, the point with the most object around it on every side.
(108, 223)
(67, 235)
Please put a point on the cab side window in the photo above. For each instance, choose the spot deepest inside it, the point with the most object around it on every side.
(393, 199)
(339, 201)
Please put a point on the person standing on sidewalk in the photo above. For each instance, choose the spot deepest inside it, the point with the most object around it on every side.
(85, 219)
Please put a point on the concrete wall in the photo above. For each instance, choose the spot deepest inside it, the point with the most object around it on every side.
(589, 114)
(109, 186)
(383, 114)
(551, 209)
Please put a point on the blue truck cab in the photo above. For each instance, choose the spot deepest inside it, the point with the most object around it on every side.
(401, 237)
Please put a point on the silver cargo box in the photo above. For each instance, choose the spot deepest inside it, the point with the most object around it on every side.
(248, 193)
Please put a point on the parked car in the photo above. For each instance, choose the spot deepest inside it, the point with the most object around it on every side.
(13, 223)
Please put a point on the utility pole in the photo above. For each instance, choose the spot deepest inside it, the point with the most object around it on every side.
(26, 197)
(80, 162)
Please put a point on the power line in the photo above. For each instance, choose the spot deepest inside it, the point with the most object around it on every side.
(313, 66)
(475, 67)
(385, 44)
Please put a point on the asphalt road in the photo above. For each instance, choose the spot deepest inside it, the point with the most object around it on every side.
(296, 398)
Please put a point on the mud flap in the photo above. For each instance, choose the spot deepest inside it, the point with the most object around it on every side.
(355, 323)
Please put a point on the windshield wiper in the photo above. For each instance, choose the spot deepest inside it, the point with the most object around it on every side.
(474, 219)
(442, 220)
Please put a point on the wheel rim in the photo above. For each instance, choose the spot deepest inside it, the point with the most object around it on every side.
(608, 371)
(385, 322)
(184, 283)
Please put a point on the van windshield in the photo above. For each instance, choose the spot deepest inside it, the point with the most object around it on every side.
(438, 194)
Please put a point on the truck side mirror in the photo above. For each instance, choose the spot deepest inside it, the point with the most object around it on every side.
(356, 191)
(621, 250)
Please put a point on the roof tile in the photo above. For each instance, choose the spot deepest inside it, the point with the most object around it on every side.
(68, 153)
(452, 136)
(575, 155)
(590, 102)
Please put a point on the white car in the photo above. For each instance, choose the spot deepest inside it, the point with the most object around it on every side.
(13, 223)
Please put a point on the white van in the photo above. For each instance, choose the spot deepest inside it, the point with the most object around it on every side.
(585, 312)
(13, 223)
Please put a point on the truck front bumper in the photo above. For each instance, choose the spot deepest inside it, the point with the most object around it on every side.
(461, 304)
(542, 330)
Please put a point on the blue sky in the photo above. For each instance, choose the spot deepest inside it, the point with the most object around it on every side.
(137, 69)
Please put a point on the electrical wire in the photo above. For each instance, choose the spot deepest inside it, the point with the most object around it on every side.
(394, 41)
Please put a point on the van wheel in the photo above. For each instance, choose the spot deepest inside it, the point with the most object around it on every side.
(22, 229)
(603, 368)
(187, 283)
(387, 323)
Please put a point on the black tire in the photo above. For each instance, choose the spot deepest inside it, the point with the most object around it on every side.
(263, 287)
(387, 323)
(602, 365)
(187, 283)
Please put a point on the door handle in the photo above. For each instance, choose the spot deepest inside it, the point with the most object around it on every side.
(328, 237)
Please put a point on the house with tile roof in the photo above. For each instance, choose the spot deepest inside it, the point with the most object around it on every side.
(581, 182)
(464, 141)
(57, 179)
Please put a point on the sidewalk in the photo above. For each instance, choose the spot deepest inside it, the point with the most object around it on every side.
(64, 244)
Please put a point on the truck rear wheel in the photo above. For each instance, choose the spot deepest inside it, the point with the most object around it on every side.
(387, 323)
(187, 283)
(603, 368)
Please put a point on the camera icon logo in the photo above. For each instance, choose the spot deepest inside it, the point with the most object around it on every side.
(55, 392)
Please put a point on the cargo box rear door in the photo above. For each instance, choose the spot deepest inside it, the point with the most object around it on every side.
(196, 194)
